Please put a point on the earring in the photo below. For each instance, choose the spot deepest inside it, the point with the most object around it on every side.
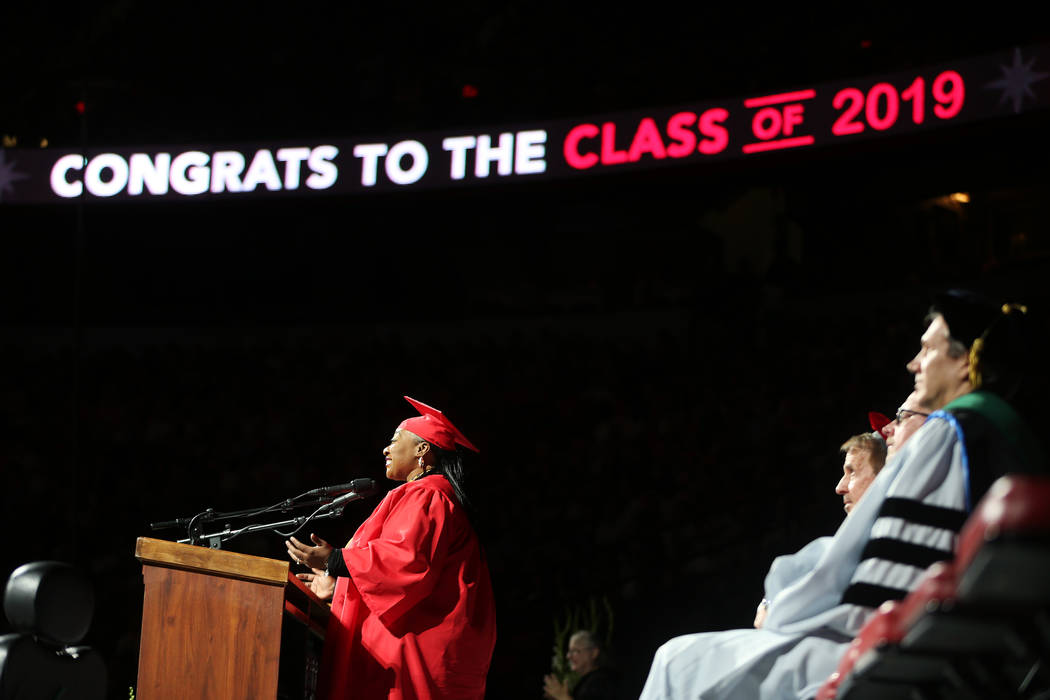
(421, 465)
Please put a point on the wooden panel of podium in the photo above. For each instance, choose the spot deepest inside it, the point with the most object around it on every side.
(223, 625)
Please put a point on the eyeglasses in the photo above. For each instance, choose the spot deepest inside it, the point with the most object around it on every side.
(903, 414)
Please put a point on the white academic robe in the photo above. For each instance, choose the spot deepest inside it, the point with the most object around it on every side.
(808, 627)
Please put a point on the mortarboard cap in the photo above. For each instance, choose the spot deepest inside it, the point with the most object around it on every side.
(967, 314)
(434, 427)
(993, 334)
(878, 423)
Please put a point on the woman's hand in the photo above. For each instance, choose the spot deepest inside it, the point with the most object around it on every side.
(313, 557)
(322, 586)
(553, 688)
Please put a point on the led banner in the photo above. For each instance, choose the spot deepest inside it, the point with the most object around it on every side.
(824, 115)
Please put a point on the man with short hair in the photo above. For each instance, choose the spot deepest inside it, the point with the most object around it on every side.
(595, 680)
(969, 365)
(865, 455)
(965, 372)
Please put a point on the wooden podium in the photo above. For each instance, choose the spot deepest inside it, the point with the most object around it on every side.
(223, 625)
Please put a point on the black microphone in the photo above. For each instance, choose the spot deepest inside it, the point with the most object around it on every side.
(357, 485)
(365, 488)
(167, 524)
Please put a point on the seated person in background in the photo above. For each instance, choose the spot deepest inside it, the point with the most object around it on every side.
(909, 418)
(597, 681)
(971, 361)
(866, 454)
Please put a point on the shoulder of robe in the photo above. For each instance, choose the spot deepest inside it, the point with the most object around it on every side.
(431, 486)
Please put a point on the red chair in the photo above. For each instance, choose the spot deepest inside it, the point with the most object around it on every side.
(876, 633)
(875, 665)
(978, 627)
(1002, 554)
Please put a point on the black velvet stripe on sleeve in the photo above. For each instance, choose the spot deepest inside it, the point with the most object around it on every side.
(871, 595)
(923, 514)
(916, 555)
(336, 564)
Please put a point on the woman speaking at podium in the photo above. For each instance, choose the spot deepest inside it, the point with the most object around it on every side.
(413, 615)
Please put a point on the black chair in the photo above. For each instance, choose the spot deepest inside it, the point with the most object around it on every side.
(49, 605)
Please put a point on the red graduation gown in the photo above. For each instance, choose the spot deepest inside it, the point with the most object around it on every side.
(416, 618)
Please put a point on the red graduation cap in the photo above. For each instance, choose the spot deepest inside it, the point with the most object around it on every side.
(879, 422)
(434, 427)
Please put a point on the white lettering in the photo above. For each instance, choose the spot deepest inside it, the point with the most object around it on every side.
(262, 170)
(530, 153)
(414, 150)
(502, 154)
(226, 168)
(189, 173)
(59, 184)
(195, 172)
(152, 173)
(324, 171)
(93, 175)
(292, 157)
(370, 153)
(458, 145)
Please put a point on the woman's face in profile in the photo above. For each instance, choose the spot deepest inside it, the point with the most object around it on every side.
(401, 457)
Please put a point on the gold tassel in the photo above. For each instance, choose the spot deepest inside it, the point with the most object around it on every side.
(975, 362)
(978, 345)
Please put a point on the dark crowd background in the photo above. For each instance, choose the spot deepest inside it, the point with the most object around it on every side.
(658, 368)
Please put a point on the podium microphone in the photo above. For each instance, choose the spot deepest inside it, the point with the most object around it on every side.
(363, 486)
(168, 524)
(362, 489)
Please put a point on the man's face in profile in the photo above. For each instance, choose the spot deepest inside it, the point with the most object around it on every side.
(857, 475)
(910, 417)
(938, 376)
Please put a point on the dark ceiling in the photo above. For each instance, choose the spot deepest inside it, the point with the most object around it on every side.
(157, 72)
(154, 73)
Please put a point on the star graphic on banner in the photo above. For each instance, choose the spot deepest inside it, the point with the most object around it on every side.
(8, 175)
(1017, 81)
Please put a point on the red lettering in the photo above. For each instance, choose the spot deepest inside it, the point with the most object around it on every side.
(610, 156)
(717, 135)
(678, 141)
(647, 140)
(871, 109)
(845, 124)
(684, 140)
(950, 101)
(573, 157)
(792, 117)
(763, 130)
(916, 92)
